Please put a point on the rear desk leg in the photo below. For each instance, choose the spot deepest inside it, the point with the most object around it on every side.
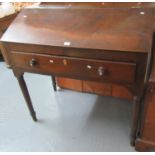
(25, 92)
(54, 83)
(135, 119)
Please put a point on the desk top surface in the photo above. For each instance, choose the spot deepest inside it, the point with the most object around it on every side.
(120, 29)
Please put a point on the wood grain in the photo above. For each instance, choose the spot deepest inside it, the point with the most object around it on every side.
(100, 88)
(87, 28)
(120, 72)
(109, 45)
(97, 87)
(72, 83)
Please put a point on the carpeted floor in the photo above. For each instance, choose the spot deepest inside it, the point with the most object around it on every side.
(68, 120)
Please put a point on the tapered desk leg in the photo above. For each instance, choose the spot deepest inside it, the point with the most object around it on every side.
(54, 83)
(135, 119)
(1, 58)
(26, 96)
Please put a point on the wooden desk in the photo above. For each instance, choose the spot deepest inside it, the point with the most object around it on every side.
(107, 45)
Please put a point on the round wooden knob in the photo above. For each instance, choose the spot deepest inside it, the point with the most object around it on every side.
(33, 63)
(89, 66)
(101, 71)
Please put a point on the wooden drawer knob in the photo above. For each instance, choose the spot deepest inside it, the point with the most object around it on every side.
(33, 63)
(89, 67)
(101, 71)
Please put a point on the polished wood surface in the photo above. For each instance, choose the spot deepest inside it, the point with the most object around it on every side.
(90, 28)
(111, 71)
(93, 87)
(100, 88)
(96, 87)
(85, 44)
(121, 92)
(73, 84)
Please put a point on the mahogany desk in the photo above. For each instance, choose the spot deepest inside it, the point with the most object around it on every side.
(88, 43)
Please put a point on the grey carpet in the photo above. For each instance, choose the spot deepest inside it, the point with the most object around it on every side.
(68, 120)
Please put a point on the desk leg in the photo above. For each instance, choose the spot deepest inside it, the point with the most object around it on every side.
(26, 96)
(135, 119)
(54, 83)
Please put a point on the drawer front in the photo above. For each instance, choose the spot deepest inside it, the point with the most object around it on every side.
(79, 68)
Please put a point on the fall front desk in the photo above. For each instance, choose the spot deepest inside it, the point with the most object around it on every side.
(109, 45)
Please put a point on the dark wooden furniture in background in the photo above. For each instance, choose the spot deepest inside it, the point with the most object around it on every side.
(105, 89)
(100, 88)
(146, 139)
(4, 24)
(66, 42)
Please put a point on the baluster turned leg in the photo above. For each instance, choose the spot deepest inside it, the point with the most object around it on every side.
(54, 83)
(135, 120)
(25, 92)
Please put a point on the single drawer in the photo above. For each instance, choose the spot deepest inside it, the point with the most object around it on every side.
(121, 72)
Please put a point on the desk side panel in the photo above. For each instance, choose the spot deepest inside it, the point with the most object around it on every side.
(6, 53)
